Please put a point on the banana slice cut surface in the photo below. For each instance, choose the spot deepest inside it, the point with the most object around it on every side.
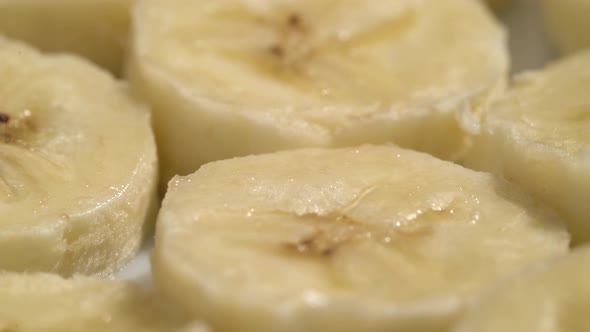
(568, 23)
(357, 239)
(553, 298)
(95, 29)
(48, 303)
(538, 136)
(237, 77)
(78, 165)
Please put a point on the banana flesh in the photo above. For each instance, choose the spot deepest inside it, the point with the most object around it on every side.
(551, 298)
(538, 136)
(238, 77)
(94, 29)
(48, 303)
(78, 165)
(369, 238)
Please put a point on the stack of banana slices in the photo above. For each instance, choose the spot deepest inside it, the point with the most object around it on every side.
(318, 166)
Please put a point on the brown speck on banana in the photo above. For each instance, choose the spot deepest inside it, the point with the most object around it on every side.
(4, 118)
(290, 46)
(316, 244)
(277, 51)
(331, 232)
(294, 20)
(14, 128)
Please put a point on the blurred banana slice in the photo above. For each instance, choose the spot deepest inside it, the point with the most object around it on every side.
(498, 4)
(95, 29)
(553, 298)
(48, 303)
(236, 77)
(568, 23)
(78, 165)
(357, 239)
(538, 136)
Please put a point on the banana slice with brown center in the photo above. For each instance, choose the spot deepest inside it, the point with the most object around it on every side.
(359, 239)
(78, 165)
(236, 77)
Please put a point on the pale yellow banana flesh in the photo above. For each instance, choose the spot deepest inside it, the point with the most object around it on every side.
(568, 23)
(550, 298)
(236, 77)
(369, 238)
(95, 29)
(48, 303)
(78, 165)
(538, 137)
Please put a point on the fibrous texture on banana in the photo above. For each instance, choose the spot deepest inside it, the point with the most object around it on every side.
(236, 77)
(538, 136)
(373, 238)
(78, 165)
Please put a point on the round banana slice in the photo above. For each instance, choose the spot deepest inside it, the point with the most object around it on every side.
(358, 239)
(236, 77)
(95, 29)
(568, 23)
(78, 166)
(538, 136)
(552, 298)
(47, 303)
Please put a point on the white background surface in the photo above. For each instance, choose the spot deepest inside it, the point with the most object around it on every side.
(529, 48)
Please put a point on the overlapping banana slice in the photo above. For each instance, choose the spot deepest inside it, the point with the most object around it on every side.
(553, 298)
(568, 22)
(236, 77)
(48, 303)
(95, 29)
(78, 165)
(356, 239)
(538, 136)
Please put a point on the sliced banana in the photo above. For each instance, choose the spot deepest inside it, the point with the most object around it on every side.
(236, 77)
(552, 298)
(498, 4)
(357, 239)
(95, 29)
(568, 22)
(78, 165)
(48, 303)
(538, 136)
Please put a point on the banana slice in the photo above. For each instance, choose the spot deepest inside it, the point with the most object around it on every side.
(358, 239)
(568, 23)
(96, 29)
(552, 298)
(538, 136)
(236, 77)
(498, 4)
(48, 303)
(77, 165)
